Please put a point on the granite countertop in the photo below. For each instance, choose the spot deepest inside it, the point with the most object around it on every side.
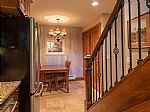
(7, 88)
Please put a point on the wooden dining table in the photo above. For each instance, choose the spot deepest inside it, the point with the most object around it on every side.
(55, 70)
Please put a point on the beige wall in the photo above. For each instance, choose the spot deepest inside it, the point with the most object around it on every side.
(104, 19)
(72, 50)
(91, 24)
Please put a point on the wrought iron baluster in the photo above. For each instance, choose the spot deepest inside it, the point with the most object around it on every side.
(99, 72)
(110, 58)
(96, 82)
(106, 65)
(116, 50)
(139, 32)
(148, 51)
(148, 6)
(102, 72)
(93, 84)
(122, 38)
(130, 44)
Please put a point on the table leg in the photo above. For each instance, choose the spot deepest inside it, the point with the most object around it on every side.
(67, 82)
(56, 81)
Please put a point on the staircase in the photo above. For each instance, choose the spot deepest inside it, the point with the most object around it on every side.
(108, 88)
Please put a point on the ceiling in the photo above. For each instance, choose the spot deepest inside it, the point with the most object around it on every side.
(80, 12)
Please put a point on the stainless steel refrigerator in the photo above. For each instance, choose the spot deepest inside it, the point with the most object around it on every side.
(20, 58)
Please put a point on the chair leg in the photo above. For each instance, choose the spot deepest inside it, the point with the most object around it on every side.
(67, 83)
(50, 85)
(56, 83)
(42, 92)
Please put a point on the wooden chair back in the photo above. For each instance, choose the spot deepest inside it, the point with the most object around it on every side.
(67, 64)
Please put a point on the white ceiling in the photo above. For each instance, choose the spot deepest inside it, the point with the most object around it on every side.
(80, 12)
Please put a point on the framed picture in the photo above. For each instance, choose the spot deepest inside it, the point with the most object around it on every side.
(145, 31)
(54, 46)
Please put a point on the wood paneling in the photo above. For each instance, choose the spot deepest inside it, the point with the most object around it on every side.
(90, 39)
(142, 107)
(86, 43)
(131, 91)
(95, 35)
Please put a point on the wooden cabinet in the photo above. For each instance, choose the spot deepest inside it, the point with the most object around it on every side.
(15, 7)
(86, 43)
(95, 35)
(25, 7)
(90, 39)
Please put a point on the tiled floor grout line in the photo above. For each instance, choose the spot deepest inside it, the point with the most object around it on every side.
(64, 103)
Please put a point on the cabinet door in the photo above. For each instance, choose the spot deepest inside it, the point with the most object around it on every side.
(86, 48)
(90, 39)
(86, 44)
(95, 35)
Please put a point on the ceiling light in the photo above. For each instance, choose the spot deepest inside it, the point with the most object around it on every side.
(95, 3)
(53, 18)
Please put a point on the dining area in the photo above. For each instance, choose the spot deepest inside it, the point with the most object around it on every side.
(55, 77)
(61, 72)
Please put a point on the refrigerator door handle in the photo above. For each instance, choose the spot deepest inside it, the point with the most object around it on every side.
(14, 107)
(31, 94)
(40, 89)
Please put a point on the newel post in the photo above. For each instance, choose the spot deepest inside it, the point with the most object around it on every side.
(88, 82)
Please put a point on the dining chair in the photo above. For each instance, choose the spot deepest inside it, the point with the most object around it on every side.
(62, 78)
(47, 82)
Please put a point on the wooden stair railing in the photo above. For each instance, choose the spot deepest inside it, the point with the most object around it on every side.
(110, 68)
(132, 94)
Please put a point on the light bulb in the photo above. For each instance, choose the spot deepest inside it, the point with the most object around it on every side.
(64, 32)
(95, 3)
(51, 32)
(57, 31)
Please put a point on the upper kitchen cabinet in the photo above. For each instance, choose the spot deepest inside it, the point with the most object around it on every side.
(15, 7)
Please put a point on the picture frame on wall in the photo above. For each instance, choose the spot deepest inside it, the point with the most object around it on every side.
(54, 46)
(145, 31)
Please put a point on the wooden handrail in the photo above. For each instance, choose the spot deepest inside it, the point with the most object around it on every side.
(100, 72)
(106, 29)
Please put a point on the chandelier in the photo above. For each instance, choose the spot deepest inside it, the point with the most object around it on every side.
(58, 33)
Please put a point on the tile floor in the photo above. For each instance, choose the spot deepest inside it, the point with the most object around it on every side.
(64, 102)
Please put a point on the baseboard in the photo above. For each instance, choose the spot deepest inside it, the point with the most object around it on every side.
(76, 79)
(72, 78)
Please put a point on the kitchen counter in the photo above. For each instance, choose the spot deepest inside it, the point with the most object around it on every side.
(6, 89)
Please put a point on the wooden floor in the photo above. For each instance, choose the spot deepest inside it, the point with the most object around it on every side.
(64, 102)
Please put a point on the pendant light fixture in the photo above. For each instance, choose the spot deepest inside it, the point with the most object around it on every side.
(58, 33)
